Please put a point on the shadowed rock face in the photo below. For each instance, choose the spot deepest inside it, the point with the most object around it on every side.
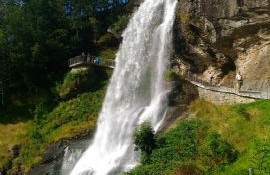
(222, 37)
(220, 9)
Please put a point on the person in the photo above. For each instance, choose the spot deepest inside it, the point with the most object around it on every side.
(83, 57)
(211, 79)
(92, 59)
(239, 80)
(88, 57)
(97, 61)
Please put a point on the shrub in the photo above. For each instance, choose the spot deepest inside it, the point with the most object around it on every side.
(77, 81)
(121, 24)
(170, 75)
(218, 151)
(144, 139)
(241, 110)
(107, 40)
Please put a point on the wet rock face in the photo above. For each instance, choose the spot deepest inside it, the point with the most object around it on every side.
(226, 36)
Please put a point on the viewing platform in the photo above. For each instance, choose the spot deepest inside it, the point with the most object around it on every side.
(84, 61)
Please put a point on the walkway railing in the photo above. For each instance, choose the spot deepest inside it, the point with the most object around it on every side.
(213, 87)
(90, 60)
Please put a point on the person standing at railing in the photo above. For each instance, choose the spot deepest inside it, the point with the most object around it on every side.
(239, 80)
(211, 79)
(83, 58)
(97, 60)
(88, 58)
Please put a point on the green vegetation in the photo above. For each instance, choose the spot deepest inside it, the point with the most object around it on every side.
(68, 119)
(246, 127)
(72, 81)
(190, 148)
(220, 140)
(65, 120)
(34, 55)
(171, 75)
(10, 135)
(81, 80)
(144, 139)
(108, 53)
(43, 102)
(120, 24)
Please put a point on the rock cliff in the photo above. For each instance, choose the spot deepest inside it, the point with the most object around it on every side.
(221, 38)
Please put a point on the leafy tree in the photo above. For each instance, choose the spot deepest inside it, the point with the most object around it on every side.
(144, 139)
(37, 37)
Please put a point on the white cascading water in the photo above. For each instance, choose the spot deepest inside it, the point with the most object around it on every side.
(137, 91)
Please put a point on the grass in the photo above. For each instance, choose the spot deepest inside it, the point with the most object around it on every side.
(190, 148)
(73, 115)
(20, 105)
(246, 127)
(219, 140)
(10, 135)
(67, 120)
(15, 122)
(108, 53)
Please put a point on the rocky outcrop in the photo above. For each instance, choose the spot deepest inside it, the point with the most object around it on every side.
(61, 157)
(220, 38)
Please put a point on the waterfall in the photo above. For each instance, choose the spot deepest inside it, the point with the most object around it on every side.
(137, 91)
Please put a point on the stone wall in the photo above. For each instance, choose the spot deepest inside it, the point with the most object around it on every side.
(222, 98)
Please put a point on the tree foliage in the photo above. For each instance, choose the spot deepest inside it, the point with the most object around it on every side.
(190, 148)
(38, 36)
(144, 138)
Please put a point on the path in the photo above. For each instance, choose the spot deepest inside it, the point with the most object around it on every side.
(211, 87)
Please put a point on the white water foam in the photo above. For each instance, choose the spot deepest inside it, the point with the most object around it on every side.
(137, 91)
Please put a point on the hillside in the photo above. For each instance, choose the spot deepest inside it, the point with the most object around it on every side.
(227, 140)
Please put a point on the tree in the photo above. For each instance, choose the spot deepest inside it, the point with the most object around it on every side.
(144, 139)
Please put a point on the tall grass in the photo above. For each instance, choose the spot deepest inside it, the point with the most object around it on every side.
(68, 119)
(246, 127)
